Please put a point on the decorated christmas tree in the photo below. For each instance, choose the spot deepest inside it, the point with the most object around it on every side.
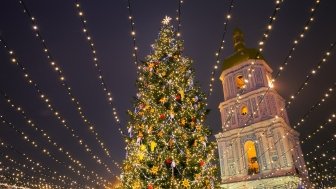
(168, 145)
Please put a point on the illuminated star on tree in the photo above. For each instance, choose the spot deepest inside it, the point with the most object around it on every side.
(166, 20)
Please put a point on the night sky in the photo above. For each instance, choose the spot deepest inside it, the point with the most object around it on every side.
(202, 28)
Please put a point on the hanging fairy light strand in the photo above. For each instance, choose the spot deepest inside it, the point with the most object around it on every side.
(316, 105)
(43, 133)
(62, 79)
(46, 100)
(221, 47)
(49, 154)
(321, 146)
(96, 63)
(312, 73)
(133, 33)
(330, 119)
(178, 17)
(39, 165)
(297, 40)
(32, 169)
(15, 176)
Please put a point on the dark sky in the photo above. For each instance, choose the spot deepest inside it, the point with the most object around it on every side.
(202, 27)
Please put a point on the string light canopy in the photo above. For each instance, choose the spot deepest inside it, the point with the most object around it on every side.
(221, 46)
(45, 151)
(96, 63)
(318, 174)
(46, 100)
(34, 163)
(58, 69)
(47, 137)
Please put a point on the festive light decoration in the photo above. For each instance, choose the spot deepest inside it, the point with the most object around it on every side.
(167, 145)
(321, 146)
(15, 176)
(34, 170)
(178, 17)
(46, 100)
(8, 186)
(49, 154)
(38, 164)
(316, 105)
(322, 126)
(298, 39)
(133, 33)
(221, 47)
(312, 73)
(96, 63)
(43, 133)
(57, 68)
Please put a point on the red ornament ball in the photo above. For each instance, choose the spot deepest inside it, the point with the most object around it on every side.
(162, 116)
(178, 97)
(168, 161)
(201, 163)
(150, 186)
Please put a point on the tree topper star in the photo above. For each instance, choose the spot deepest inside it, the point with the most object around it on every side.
(166, 20)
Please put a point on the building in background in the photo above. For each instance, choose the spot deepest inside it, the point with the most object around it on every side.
(257, 147)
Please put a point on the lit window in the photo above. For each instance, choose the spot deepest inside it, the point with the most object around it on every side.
(252, 160)
(240, 82)
(244, 110)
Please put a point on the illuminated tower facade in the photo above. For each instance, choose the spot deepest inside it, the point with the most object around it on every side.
(257, 147)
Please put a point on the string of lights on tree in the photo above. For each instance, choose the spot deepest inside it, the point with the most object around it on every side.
(45, 151)
(43, 133)
(39, 165)
(57, 68)
(316, 105)
(46, 100)
(95, 61)
(221, 46)
(160, 132)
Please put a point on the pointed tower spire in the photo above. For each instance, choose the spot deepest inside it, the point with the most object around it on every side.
(241, 53)
(238, 40)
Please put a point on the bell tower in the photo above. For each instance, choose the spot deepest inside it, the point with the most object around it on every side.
(257, 147)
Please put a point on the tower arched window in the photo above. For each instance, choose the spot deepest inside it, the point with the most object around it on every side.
(252, 160)
(240, 81)
(244, 110)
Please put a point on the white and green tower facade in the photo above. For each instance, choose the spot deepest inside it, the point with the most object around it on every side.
(257, 147)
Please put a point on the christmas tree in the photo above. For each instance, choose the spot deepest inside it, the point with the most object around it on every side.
(167, 145)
